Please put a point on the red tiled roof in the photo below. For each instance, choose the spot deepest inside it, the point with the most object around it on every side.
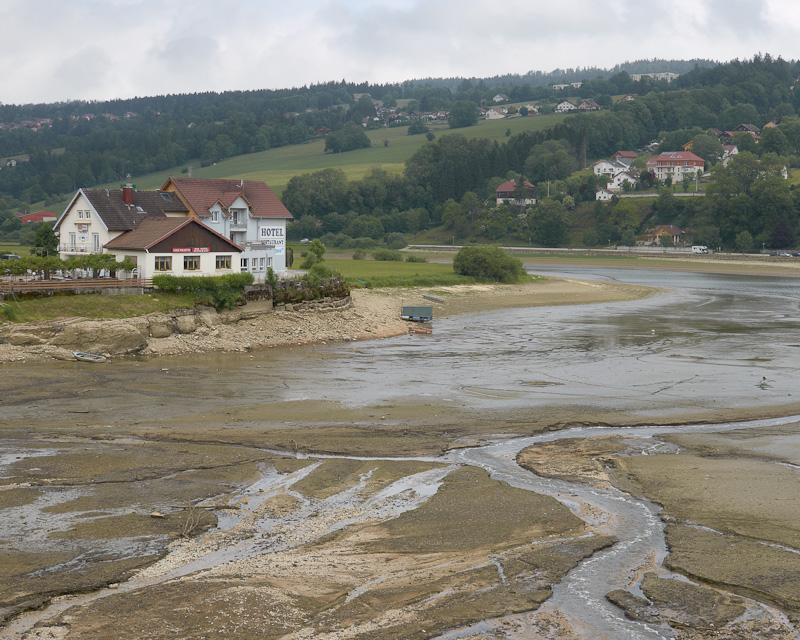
(511, 185)
(203, 193)
(668, 157)
(38, 216)
(151, 231)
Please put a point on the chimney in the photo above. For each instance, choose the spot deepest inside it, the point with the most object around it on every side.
(127, 192)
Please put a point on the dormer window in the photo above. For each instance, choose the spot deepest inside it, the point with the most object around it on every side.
(215, 216)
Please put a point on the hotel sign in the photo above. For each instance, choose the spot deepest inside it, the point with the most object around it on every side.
(191, 250)
(275, 236)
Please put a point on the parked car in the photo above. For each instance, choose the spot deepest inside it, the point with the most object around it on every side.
(9, 256)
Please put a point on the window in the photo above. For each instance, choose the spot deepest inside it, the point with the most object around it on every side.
(191, 263)
(96, 242)
(244, 264)
(163, 263)
(261, 264)
(88, 214)
(72, 239)
(215, 216)
(80, 215)
(269, 261)
(223, 262)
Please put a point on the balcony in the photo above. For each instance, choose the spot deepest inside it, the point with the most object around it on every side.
(238, 225)
(78, 247)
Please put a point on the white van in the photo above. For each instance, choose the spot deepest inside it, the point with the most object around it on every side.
(699, 248)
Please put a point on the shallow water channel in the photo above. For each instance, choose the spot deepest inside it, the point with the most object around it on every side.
(708, 341)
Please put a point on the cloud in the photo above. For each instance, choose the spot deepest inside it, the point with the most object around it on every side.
(100, 49)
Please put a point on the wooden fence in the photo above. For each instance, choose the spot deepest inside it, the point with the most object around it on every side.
(20, 286)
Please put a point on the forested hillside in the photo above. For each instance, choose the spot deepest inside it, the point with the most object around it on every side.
(449, 179)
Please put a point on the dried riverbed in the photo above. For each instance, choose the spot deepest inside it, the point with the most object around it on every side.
(423, 525)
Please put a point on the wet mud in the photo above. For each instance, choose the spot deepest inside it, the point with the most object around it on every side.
(343, 492)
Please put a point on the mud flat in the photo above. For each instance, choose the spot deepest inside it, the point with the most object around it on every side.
(329, 521)
(729, 501)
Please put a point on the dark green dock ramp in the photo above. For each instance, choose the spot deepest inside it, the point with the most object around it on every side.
(417, 314)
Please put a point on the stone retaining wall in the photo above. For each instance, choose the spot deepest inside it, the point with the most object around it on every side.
(130, 335)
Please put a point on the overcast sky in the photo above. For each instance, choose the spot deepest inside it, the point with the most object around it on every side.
(58, 50)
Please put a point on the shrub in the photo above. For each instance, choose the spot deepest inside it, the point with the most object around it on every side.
(488, 263)
(359, 254)
(310, 260)
(395, 240)
(319, 272)
(413, 258)
(387, 255)
(221, 291)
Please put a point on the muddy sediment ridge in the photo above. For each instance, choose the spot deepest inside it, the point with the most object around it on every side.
(490, 537)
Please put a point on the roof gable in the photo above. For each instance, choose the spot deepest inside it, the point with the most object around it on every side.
(116, 215)
(203, 193)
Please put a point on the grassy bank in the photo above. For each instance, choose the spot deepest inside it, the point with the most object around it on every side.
(96, 306)
(377, 274)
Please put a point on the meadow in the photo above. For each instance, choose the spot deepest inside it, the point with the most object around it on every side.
(391, 147)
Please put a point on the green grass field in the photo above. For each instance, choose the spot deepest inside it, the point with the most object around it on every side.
(15, 247)
(277, 166)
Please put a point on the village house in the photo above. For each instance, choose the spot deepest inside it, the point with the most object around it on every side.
(96, 216)
(670, 230)
(495, 113)
(604, 195)
(565, 106)
(245, 211)
(176, 246)
(560, 87)
(675, 164)
(619, 179)
(501, 97)
(610, 168)
(589, 105)
(728, 151)
(505, 194)
(625, 156)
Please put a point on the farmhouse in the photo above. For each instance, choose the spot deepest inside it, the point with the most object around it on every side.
(505, 193)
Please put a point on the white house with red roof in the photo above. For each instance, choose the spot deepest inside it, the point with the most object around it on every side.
(495, 113)
(245, 211)
(177, 246)
(619, 179)
(505, 193)
(728, 151)
(675, 164)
